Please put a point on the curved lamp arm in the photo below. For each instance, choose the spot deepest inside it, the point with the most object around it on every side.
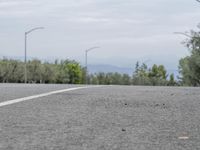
(91, 48)
(37, 28)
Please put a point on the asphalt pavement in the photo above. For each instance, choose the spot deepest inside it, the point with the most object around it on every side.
(100, 118)
(14, 91)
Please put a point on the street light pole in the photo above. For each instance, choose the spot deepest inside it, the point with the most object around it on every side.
(25, 67)
(25, 51)
(86, 61)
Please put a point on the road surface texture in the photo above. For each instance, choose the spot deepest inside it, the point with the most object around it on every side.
(100, 118)
(13, 91)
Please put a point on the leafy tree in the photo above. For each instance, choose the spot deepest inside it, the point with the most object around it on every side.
(48, 74)
(34, 71)
(158, 72)
(126, 79)
(4, 70)
(116, 78)
(74, 72)
(156, 75)
(62, 75)
(172, 81)
(189, 67)
(140, 76)
(83, 76)
(11, 71)
(110, 78)
(16, 71)
(101, 78)
(93, 79)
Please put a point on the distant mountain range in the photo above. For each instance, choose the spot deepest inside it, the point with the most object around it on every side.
(109, 68)
(123, 70)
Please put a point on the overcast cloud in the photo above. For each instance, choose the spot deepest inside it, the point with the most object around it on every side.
(126, 30)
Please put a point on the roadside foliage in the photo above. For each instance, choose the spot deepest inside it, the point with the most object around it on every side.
(189, 67)
(71, 72)
(64, 71)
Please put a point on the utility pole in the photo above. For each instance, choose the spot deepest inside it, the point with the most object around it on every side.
(25, 51)
(86, 62)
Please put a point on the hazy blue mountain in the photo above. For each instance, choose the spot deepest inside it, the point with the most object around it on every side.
(109, 68)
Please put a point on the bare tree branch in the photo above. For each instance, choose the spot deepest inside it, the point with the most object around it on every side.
(198, 1)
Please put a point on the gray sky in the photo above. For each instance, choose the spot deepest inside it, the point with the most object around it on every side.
(126, 30)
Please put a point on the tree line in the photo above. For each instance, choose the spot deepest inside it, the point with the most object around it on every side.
(64, 71)
(71, 72)
(156, 75)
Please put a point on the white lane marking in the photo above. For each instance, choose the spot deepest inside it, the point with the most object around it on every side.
(183, 138)
(9, 102)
